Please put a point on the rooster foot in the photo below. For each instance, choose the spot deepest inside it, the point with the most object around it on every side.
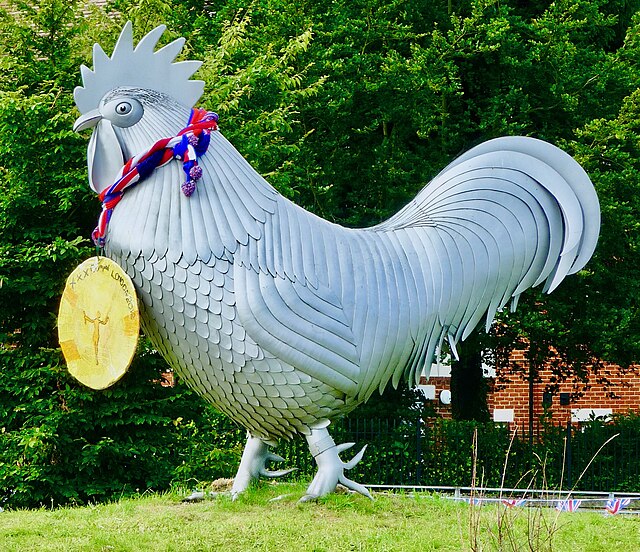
(330, 466)
(253, 465)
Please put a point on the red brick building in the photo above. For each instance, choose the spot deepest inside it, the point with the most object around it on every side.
(509, 401)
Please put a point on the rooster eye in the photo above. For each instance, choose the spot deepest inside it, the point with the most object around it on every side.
(123, 108)
(122, 112)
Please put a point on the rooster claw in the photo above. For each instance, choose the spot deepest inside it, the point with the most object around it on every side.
(253, 465)
(331, 467)
(274, 473)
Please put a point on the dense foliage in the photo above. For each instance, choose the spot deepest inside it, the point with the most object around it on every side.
(348, 107)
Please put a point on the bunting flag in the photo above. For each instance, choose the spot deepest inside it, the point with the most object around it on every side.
(614, 505)
(569, 505)
(514, 502)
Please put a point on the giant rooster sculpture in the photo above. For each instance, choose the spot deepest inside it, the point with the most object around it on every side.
(280, 319)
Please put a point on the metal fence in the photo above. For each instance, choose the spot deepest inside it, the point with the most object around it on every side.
(456, 453)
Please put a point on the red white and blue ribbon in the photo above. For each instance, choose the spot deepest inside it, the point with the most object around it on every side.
(189, 144)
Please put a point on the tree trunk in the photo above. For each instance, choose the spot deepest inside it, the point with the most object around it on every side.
(468, 384)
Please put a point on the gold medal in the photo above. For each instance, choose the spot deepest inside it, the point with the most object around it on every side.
(98, 322)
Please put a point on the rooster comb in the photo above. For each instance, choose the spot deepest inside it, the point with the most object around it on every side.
(139, 67)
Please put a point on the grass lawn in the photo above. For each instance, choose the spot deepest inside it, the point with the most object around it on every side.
(339, 522)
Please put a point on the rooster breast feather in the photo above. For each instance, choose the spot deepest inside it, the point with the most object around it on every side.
(358, 308)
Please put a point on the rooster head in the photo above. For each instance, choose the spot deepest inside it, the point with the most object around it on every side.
(132, 99)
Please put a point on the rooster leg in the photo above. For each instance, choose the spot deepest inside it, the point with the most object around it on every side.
(330, 467)
(253, 464)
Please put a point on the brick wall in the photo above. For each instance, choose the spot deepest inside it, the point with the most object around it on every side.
(441, 383)
(621, 396)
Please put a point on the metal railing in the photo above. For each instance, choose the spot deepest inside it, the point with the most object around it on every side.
(468, 454)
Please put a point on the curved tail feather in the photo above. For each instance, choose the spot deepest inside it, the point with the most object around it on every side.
(509, 214)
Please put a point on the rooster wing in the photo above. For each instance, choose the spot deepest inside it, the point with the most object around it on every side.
(358, 308)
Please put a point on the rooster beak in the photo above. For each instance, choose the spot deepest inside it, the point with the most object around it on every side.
(88, 120)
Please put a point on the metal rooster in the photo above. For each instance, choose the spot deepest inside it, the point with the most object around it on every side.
(285, 321)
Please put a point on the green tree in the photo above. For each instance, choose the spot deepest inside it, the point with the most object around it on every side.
(61, 442)
(594, 319)
(349, 108)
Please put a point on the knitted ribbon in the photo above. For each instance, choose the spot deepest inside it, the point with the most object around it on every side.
(189, 144)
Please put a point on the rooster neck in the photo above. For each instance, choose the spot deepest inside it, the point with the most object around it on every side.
(229, 209)
(160, 121)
